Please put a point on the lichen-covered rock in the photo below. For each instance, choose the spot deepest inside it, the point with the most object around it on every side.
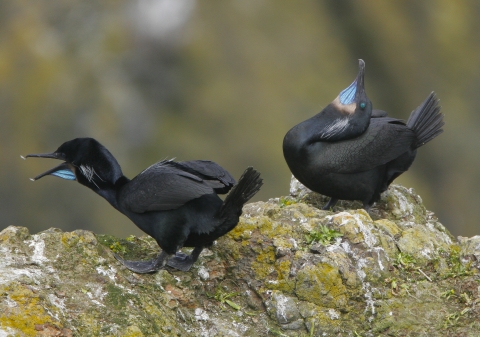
(288, 269)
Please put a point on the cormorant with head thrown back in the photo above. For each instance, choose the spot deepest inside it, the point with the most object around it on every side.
(174, 202)
(349, 151)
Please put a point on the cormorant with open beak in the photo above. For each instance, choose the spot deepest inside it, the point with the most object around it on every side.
(174, 202)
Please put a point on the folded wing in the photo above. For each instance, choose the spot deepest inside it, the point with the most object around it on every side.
(169, 185)
(385, 139)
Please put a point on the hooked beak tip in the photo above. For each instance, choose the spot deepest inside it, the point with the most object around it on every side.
(24, 158)
(32, 179)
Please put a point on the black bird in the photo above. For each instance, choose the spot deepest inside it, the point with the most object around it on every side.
(174, 202)
(349, 151)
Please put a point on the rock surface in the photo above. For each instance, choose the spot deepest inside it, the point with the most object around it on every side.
(287, 269)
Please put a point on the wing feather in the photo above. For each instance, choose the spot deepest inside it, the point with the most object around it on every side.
(385, 139)
(213, 174)
(162, 186)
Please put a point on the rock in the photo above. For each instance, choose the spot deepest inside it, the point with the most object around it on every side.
(283, 308)
(284, 270)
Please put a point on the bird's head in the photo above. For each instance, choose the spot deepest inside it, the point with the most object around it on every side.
(353, 99)
(85, 160)
(349, 114)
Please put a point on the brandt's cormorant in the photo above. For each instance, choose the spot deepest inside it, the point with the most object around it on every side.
(174, 202)
(349, 151)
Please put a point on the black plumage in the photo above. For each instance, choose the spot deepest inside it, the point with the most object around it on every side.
(174, 202)
(349, 151)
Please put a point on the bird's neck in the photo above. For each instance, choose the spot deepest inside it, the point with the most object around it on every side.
(331, 125)
(109, 191)
(327, 126)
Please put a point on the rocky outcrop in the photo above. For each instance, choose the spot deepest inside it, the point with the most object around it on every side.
(287, 269)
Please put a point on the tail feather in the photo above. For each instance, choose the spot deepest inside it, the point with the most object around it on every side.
(426, 120)
(248, 185)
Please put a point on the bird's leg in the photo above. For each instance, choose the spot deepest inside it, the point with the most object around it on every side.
(143, 267)
(330, 204)
(182, 261)
(366, 206)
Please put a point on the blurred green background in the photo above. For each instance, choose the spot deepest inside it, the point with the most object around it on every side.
(225, 80)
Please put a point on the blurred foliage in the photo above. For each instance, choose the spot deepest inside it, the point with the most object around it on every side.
(225, 80)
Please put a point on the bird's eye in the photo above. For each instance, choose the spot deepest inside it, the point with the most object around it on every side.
(362, 105)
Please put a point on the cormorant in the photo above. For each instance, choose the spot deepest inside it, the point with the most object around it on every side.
(174, 202)
(349, 151)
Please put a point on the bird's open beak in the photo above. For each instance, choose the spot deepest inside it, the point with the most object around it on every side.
(64, 170)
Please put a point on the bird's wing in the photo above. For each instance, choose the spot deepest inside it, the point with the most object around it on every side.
(161, 187)
(378, 113)
(385, 139)
(213, 174)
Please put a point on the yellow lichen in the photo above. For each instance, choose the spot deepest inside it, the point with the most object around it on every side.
(283, 269)
(242, 230)
(132, 331)
(283, 283)
(267, 256)
(364, 216)
(387, 226)
(263, 265)
(265, 226)
(27, 312)
(321, 284)
(69, 239)
(90, 323)
(282, 242)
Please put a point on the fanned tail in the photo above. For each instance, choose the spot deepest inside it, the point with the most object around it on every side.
(248, 185)
(426, 120)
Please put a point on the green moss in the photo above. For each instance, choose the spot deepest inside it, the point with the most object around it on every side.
(116, 247)
(130, 248)
(116, 296)
(456, 267)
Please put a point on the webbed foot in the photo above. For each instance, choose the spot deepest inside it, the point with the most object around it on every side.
(144, 267)
(183, 261)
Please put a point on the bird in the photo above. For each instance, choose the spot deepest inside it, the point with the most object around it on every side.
(350, 151)
(176, 203)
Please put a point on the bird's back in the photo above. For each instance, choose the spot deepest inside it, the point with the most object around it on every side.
(169, 185)
(384, 140)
